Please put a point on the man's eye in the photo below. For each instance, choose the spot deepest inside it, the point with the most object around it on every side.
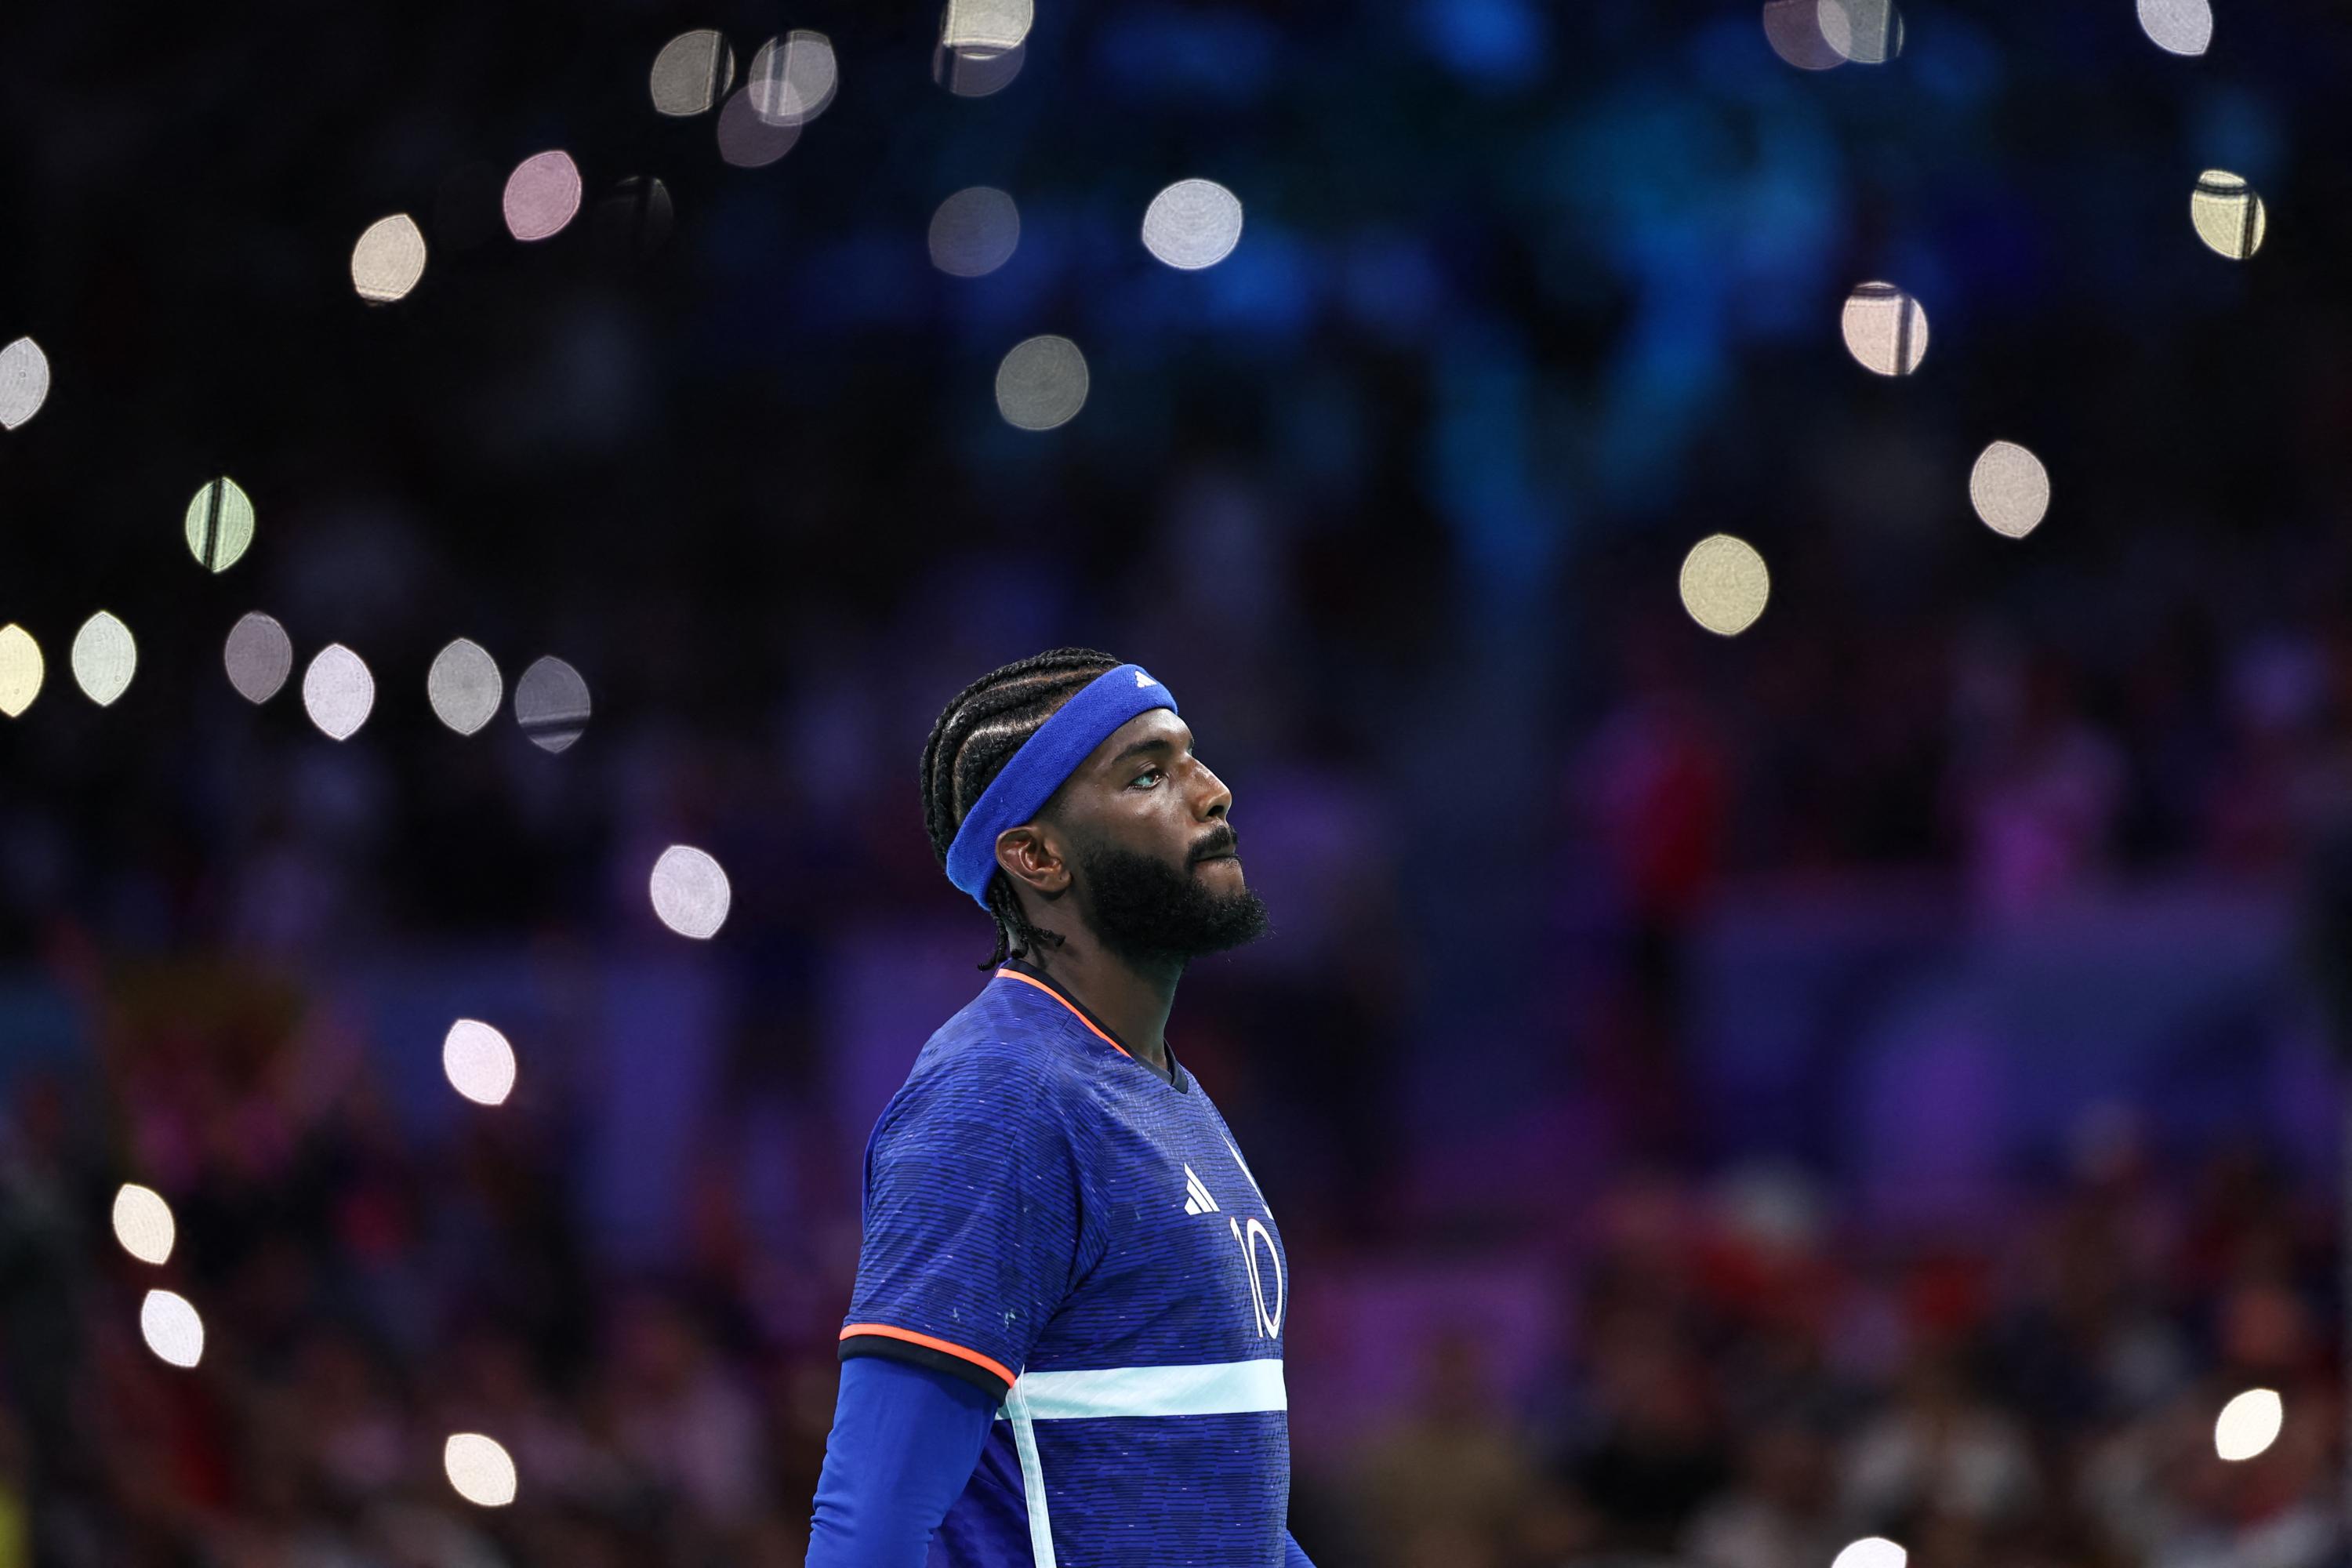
(1144, 774)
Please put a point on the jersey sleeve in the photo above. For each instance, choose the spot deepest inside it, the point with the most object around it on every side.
(904, 1443)
(971, 1221)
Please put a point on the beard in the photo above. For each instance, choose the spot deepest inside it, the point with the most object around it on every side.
(1150, 913)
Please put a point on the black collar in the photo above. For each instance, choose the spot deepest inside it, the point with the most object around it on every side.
(1175, 1076)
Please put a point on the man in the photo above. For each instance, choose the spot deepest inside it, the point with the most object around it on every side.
(1064, 1345)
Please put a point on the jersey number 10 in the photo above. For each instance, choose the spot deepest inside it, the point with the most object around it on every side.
(1269, 1325)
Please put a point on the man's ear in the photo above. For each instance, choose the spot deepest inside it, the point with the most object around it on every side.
(1031, 859)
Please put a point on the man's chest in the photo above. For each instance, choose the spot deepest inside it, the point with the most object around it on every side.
(1181, 1262)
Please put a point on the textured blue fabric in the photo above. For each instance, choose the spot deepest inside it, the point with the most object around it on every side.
(904, 1441)
(1291, 1556)
(1039, 1202)
(1036, 770)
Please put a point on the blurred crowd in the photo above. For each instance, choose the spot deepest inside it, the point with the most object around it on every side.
(1529, 300)
(1739, 1378)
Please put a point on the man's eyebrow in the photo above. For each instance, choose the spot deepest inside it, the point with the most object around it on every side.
(1142, 748)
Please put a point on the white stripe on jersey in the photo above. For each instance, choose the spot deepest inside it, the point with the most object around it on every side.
(1033, 1477)
(1218, 1388)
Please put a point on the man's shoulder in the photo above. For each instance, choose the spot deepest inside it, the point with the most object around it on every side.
(999, 1046)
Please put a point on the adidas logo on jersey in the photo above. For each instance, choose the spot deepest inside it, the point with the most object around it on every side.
(1197, 1199)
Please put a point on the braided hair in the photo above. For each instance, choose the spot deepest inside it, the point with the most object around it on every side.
(976, 735)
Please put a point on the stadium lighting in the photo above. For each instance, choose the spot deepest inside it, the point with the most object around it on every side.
(143, 1223)
(2248, 1425)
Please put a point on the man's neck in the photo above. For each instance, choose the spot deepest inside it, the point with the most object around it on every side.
(1133, 1001)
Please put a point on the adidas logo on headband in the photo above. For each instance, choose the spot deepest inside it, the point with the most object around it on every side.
(1144, 679)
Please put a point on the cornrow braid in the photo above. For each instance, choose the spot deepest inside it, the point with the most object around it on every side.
(976, 735)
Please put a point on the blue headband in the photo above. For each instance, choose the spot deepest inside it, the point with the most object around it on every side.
(1016, 795)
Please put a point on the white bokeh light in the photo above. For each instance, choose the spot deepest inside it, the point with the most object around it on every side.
(1793, 28)
(259, 656)
(2009, 489)
(2248, 1425)
(690, 892)
(21, 670)
(338, 691)
(143, 1223)
(748, 140)
(24, 381)
(219, 524)
(388, 259)
(479, 1062)
(479, 1469)
(551, 703)
(692, 72)
(2227, 214)
(168, 1322)
(1864, 32)
(1884, 330)
(1724, 585)
(986, 26)
(2178, 26)
(976, 73)
(793, 78)
(1870, 1552)
(464, 685)
(1042, 383)
(104, 658)
(974, 232)
(1193, 224)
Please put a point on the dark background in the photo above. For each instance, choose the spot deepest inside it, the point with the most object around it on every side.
(1723, 1096)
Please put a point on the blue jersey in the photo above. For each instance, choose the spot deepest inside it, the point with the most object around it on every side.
(1048, 1217)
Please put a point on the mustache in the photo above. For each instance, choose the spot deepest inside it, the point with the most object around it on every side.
(1227, 842)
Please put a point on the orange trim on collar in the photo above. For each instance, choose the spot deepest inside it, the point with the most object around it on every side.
(1064, 1001)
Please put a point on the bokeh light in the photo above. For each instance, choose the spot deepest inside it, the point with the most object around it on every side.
(974, 232)
(219, 524)
(1864, 32)
(259, 656)
(690, 892)
(1042, 383)
(749, 141)
(24, 381)
(1193, 224)
(464, 685)
(991, 25)
(388, 259)
(1724, 585)
(168, 1322)
(2248, 1425)
(1885, 329)
(1870, 1552)
(692, 72)
(104, 658)
(479, 1062)
(2181, 26)
(635, 220)
(976, 73)
(793, 78)
(21, 669)
(2227, 214)
(541, 195)
(338, 692)
(1793, 28)
(551, 703)
(143, 1224)
(479, 1469)
(2009, 489)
